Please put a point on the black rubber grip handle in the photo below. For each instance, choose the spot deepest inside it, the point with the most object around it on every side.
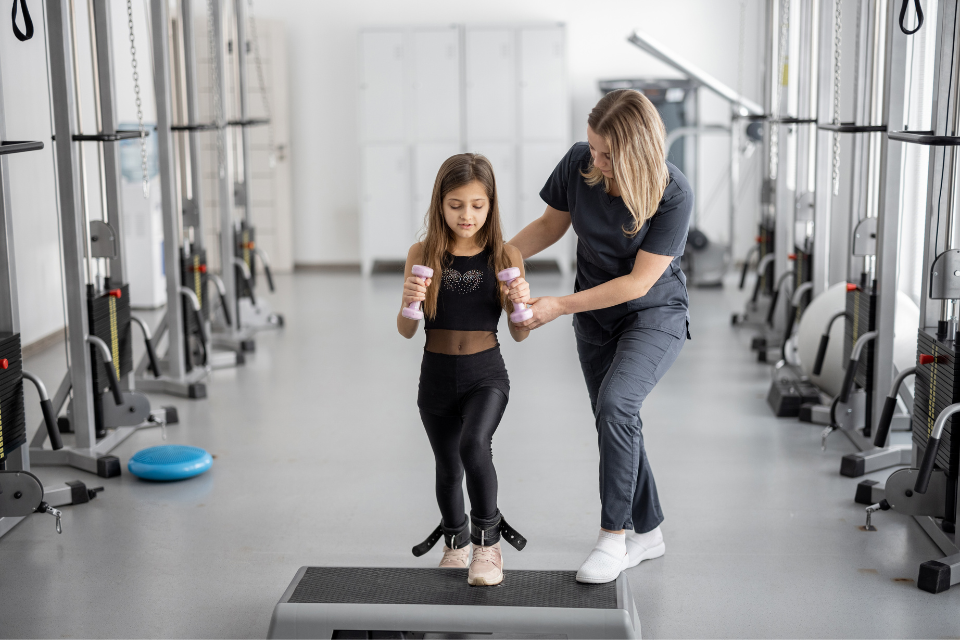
(743, 273)
(152, 356)
(266, 271)
(225, 307)
(247, 284)
(114, 383)
(848, 377)
(886, 418)
(201, 334)
(821, 354)
(926, 467)
(791, 321)
(50, 419)
(756, 288)
(773, 305)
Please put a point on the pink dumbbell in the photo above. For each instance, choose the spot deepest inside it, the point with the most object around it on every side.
(413, 310)
(520, 313)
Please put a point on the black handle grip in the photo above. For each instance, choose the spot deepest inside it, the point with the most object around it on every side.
(791, 321)
(266, 271)
(756, 288)
(926, 467)
(201, 334)
(50, 419)
(848, 377)
(821, 354)
(248, 285)
(743, 272)
(225, 307)
(114, 383)
(886, 418)
(152, 356)
(773, 305)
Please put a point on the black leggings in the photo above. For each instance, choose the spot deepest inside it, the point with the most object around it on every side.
(462, 399)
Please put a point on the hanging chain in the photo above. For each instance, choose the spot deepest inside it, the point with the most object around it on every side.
(836, 95)
(781, 76)
(136, 92)
(263, 87)
(215, 72)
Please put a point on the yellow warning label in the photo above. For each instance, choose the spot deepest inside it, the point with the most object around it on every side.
(114, 338)
(196, 280)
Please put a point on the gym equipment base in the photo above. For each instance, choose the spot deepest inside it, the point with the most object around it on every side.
(191, 386)
(322, 601)
(73, 492)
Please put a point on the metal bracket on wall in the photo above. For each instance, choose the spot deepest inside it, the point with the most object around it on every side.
(103, 240)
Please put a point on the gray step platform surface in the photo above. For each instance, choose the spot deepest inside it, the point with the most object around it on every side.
(322, 600)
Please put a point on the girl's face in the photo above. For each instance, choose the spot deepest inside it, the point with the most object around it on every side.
(600, 151)
(465, 209)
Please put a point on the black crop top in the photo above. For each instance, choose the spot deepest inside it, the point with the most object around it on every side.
(468, 299)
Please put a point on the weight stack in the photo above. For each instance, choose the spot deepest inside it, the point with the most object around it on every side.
(765, 238)
(109, 318)
(193, 269)
(245, 242)
(13, 430)
(937, 387)
(861, 319)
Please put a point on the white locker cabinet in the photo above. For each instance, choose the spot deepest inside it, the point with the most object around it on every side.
(381, 86)
(387, 230)
(435, 80)
(537, 162)
(503, 157)
(427, 158)
(544, 103)
(491, 85)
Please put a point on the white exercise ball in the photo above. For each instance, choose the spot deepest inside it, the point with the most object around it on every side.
(814, 322)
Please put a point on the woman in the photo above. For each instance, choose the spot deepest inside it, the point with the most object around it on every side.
(630, 209)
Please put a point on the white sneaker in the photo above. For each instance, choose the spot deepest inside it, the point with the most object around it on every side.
(607, 560)
(644, 546)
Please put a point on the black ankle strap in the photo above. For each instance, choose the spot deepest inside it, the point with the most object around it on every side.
(453, 538)
(489, 533)
(512, 536)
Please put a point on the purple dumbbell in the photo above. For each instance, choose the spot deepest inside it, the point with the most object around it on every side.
(413, 310)
(520, 313)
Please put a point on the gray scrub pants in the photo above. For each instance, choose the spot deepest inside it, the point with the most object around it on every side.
(619, 376)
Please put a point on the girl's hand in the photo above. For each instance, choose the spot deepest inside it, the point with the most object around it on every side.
(545, 309)
(415, 290)
(518, 292)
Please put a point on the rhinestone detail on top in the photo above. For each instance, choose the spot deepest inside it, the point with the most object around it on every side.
(454, 281)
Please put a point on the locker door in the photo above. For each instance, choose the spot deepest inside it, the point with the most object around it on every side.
(537, 162)
(491, 86)
(543, 93)
(427, 158)
(503, 157)
(381, 86)
(386, 232)
(436, 85)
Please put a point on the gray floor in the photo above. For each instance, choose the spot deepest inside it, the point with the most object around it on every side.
(321, 459)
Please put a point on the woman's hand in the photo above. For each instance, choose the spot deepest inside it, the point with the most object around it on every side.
(545, 309)
(415, 290)
(518, 292)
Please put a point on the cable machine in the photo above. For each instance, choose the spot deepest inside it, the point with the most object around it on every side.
(929, 491)
(102, 409)
(21, 492)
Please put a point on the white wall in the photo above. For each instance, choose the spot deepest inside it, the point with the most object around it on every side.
(322, 48)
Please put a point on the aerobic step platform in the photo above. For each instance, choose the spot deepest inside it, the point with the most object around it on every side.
(323, 600)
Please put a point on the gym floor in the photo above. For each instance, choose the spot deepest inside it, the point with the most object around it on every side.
(320, 459)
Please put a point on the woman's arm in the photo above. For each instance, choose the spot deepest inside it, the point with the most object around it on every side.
(646, 271)
(414, 290)
(518, 333)
(542, 232)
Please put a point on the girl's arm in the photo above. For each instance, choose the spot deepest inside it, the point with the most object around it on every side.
(519, 292)
(646, 271)
(542, 232)
(414, 290)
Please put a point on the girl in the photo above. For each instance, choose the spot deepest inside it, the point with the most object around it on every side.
(463, 382)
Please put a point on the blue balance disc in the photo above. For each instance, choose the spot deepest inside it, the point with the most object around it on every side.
(169, 462)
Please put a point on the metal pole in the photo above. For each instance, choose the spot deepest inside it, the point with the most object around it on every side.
(241, 17)
(823, 193)
(72, 226)
(888, 222)
(193, 117)
(172, 233)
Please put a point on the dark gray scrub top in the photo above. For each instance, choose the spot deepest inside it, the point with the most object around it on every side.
(605, 252)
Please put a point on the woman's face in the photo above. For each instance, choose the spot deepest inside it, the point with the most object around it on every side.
(465, 209)
(600, 151)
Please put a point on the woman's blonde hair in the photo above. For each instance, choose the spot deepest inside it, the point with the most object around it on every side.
(455, 172)
(633, 129)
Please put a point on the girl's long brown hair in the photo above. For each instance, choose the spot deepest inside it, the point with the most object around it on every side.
(438, 238)
(632, 127)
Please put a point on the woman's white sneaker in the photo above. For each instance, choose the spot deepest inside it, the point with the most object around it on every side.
(607, 560)
(644, 546)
